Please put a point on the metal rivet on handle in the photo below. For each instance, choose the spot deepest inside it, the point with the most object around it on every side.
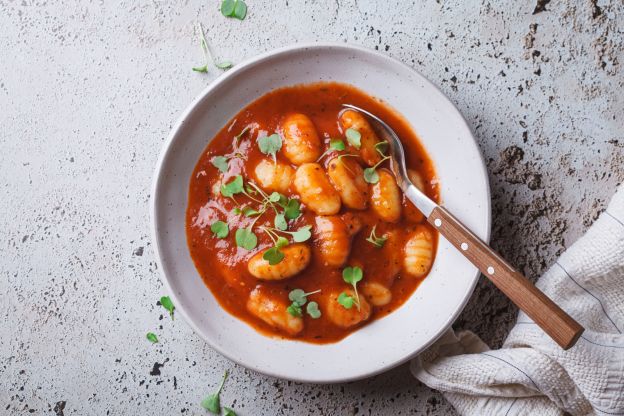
(490, 270)
(464, 246)
(437, 222)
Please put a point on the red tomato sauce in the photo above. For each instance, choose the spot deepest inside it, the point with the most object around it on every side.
(223, 266)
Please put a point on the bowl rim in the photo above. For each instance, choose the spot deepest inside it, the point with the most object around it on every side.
(166, 149)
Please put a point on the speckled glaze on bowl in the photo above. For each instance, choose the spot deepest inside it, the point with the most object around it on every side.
(384, 343)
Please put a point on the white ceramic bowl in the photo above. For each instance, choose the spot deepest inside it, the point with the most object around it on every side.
(384, 343)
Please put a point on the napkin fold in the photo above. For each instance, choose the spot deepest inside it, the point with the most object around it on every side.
(531, 374)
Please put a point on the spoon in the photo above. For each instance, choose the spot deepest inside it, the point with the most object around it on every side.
(560, 326)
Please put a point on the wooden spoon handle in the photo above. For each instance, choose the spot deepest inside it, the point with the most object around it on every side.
(551, 318)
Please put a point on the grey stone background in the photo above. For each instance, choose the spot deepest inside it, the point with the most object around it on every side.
(90, 89)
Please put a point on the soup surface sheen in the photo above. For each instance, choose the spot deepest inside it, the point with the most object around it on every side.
(339, 240)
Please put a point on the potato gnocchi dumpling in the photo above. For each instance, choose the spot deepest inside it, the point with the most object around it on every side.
(343, 317)
(301, 141)
(347, 176)
(385, 197)
(376, 293)
(273, 311)
(350, 119)
(419, 252)
(296, 258)
(274, 176)
(392, 253)
(315, 190)
(333, 240)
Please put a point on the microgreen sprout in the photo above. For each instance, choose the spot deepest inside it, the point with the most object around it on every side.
(220, 229)
(151, 337)
(351, 275)
(234, 8)
(228, 412)
(235, 187)
(273, 255)
(245, 238)
(222, 162)
(370, 174)
(212, 402)
(270, 145)
(376, 241)
(354, 138)
(208, 54)
(298, 297)
(336, 145)
(166, 303)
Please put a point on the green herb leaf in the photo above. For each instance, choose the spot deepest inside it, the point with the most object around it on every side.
(376, 241)
(246, 239)
(302, 234)
(224, 65)
(220, 162)
(292, 209)
(212, 402)
(354, 138)
(346, 300)
(276, 197)
(220, 229)
(381, 148)
(250, 212)
(313, 310)
(166, 303)
(371, 175)
(228, 412)
(270, 145)
(151, 337)
(273, 256)
(337, 144)
(200, 68)
(281, 242)
(240, 10)
(280, 222)
(352, 275)
(294, 309)
(232, 188)
(227, 7)
(298, 296)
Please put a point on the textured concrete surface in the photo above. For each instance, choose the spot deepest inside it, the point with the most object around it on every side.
(88, 92)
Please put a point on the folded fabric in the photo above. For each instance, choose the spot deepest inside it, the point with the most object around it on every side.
(531, 374)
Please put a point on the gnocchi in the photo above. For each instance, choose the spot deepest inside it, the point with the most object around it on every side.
(347, 176)
(418, 255)
(315, 190)
(343, 317)
(296, 258)
(350, 119)
(274, 176)
(385, 197)
(301, 141)
(376, 293)
(392, 253)
(333, 240)
(273, 311)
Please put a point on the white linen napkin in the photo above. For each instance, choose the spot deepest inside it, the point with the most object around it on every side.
(531, 374)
